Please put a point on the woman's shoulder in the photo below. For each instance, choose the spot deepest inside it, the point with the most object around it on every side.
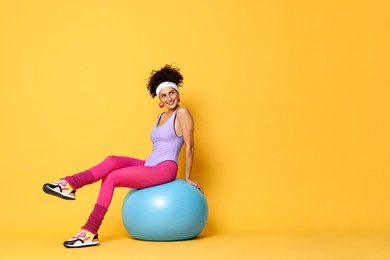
(182, 111)
(160, 114)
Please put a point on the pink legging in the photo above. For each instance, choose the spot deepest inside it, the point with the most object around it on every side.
(121, 171)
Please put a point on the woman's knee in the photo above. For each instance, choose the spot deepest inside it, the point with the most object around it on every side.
(111, 159)
(116, 162)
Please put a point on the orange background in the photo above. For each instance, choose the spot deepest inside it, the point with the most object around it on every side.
(290, 101)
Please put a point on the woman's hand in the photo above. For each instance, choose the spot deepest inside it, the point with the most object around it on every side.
(195, 183)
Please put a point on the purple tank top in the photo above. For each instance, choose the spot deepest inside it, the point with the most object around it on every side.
(166, 144)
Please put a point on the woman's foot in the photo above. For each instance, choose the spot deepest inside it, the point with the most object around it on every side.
(60, 189)
(81, 239)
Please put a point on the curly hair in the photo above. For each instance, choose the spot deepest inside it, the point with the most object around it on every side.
(166, 73)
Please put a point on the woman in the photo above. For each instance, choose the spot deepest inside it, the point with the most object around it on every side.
(173, 128)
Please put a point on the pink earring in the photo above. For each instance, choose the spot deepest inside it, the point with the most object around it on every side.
(161, 104)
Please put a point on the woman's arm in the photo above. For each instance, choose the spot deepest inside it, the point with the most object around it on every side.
(187, 129)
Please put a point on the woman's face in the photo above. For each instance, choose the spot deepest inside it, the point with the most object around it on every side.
(170, 97)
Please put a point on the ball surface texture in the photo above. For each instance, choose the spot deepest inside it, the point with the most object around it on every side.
(168, 212)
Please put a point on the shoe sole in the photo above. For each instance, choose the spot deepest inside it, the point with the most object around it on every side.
(82, 245)
(50, 191)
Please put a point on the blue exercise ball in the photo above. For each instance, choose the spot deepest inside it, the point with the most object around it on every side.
(168, 212)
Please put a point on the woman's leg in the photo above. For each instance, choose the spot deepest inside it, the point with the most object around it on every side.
(101, 170)
(66, 187)
(129, 177)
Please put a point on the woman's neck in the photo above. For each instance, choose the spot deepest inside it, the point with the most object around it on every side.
(170, 111)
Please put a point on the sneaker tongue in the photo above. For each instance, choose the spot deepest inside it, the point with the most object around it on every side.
(62, 183)
(80, 235)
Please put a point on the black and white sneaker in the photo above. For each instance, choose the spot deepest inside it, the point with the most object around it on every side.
(60, 189)
(82, 239)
